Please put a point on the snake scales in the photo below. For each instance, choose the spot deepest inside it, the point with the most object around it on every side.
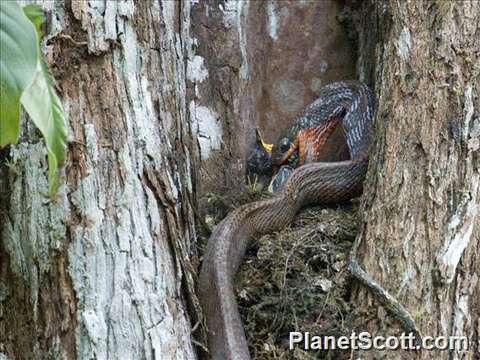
(312, 183)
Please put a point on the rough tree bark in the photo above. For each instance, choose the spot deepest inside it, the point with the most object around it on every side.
(421, 231)
(162, 98)
(99, 271)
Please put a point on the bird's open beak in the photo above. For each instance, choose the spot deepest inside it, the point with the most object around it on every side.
(266, 146)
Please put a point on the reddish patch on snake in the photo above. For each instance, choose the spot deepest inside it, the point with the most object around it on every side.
(309, 142)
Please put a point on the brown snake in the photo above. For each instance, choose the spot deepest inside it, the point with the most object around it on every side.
(313, 183)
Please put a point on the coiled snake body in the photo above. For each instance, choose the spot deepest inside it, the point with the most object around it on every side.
(312, 183)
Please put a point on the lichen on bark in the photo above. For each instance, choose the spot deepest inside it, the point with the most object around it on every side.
(101, 270)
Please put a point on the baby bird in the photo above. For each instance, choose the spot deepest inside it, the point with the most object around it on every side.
(259, 161)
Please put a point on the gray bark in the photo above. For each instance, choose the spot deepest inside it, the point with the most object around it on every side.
(420, 236)
(101, 270)
(162, 99)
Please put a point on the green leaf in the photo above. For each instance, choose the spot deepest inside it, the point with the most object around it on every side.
(35, 14)
(18, 62)
(45, 109)
(26, 78)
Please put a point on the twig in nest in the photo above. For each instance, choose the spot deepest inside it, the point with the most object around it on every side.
(388, 301)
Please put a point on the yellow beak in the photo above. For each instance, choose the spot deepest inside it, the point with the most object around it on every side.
(266, 146)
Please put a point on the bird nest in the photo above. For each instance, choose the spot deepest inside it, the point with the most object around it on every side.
(296, 280)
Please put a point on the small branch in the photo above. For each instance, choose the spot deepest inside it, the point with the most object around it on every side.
(388, 301)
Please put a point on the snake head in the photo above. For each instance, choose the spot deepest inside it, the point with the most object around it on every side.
(282, 151)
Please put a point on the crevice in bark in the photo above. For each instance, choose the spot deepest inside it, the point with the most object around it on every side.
(263, 343)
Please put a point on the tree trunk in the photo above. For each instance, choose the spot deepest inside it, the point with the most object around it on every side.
(162, 99)
(420, 236)
(101, 270)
